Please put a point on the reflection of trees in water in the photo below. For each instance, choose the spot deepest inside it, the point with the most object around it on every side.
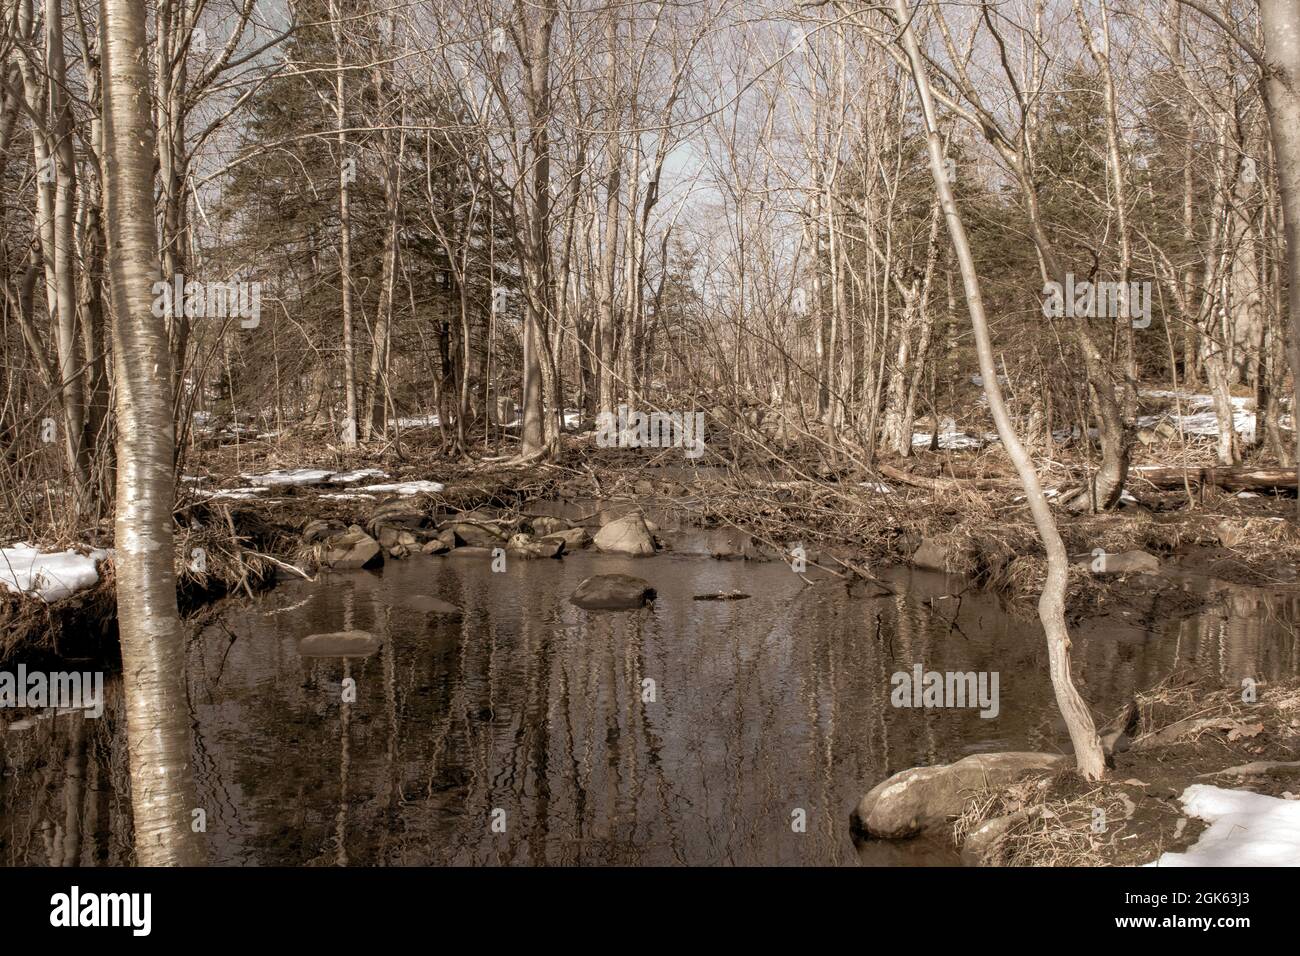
(531, 706)
(64, 797)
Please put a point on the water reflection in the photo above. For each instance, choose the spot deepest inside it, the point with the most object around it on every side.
(690, 732)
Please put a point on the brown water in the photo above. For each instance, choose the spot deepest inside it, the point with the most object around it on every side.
(532, 715)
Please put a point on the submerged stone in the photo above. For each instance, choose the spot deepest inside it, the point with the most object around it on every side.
(339, 644)
(613, 592)
(431, 605)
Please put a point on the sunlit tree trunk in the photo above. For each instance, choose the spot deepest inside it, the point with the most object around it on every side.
(1051, 605)
(1281, 22)
(153, 647)
(346, 173)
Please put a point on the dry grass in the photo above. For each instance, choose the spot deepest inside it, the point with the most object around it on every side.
(1060, 825)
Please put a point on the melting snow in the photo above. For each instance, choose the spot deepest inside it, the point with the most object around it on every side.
(951, 437)
(290, 476)
(232, 494)
(408, 487)
(1246, 829)
(49, 576)
(419, 421)
(1201, 421)
(347, 477)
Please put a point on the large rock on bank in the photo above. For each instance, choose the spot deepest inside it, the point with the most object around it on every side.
(571, 538)
(612, 592)
(627, 535)
(349, 551)
(923, 798)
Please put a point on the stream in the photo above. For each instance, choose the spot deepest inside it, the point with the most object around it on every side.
(528, 731)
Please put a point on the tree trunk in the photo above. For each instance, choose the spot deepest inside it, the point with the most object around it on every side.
(153, 646)
(1051, 606)
(1281, 27)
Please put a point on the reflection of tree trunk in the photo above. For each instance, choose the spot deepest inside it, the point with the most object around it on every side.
(74, 790)
(153, 648)
(345, 772)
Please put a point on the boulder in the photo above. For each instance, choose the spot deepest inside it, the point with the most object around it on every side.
(441, 544)
(628, 535)
(348, 551)
(521, 545)
(924, 798)
(320, 529)
(571, 538)
(475, 535)
(613, 592)
(945, 552)
(339, 644)
(1124, 562)
(400, 513)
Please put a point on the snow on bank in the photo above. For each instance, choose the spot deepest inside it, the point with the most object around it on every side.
(408, 487)
(951, 437)
(281, 477)
(289, 476)
(1201, 420)
(1246, 829)
(231, 494)
(51, 576)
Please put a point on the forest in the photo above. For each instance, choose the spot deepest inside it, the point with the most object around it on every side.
(568, 421)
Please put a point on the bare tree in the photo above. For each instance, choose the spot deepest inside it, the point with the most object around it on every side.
(153, 646)
(1051, 604)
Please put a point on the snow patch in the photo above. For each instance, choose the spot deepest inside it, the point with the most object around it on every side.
(1246, 829)
(231, 494)
(51, 576)
(408, 487)
(289, 476)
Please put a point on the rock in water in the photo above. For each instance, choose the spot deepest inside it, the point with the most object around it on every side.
(431, 605)
(628, 535)
(339, 644)
(571, 538)
(349, 551)
(923, 798)
(613, 592)
(475, 535)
